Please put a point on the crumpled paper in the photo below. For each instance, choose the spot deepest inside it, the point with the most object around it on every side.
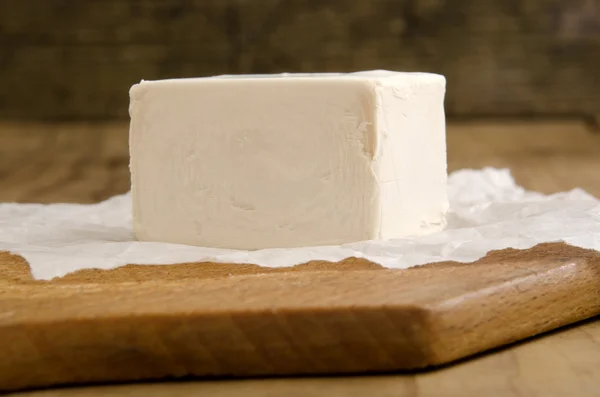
(488, 211)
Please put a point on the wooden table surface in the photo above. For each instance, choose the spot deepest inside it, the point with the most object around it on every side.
(88, 162)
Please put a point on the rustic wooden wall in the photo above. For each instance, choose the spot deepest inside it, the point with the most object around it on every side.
(75, 59)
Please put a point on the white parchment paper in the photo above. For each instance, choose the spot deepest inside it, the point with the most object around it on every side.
(488, 212)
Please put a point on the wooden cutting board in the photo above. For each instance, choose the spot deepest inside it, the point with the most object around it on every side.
(214, 320)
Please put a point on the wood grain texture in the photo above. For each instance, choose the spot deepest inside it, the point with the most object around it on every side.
(45, 162)
(566, 363)
(113, 327)
(72, 59)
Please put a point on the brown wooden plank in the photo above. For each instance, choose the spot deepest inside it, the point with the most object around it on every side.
(561, 364)
(566, 363)
(218, 322)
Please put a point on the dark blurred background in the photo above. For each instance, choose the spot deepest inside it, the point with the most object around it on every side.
(75, 59)
(523, 77)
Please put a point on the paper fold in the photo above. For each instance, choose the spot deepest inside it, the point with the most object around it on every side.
(488, 211)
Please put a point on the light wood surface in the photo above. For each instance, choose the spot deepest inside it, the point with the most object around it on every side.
(564, 364)
(156, 322)
(73, 166)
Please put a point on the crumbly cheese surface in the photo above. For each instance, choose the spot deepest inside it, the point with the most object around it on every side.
(251, 162)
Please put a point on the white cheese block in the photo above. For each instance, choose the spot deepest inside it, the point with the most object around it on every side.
(251, 162)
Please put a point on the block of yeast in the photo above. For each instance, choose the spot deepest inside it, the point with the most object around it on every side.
(263, 161)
